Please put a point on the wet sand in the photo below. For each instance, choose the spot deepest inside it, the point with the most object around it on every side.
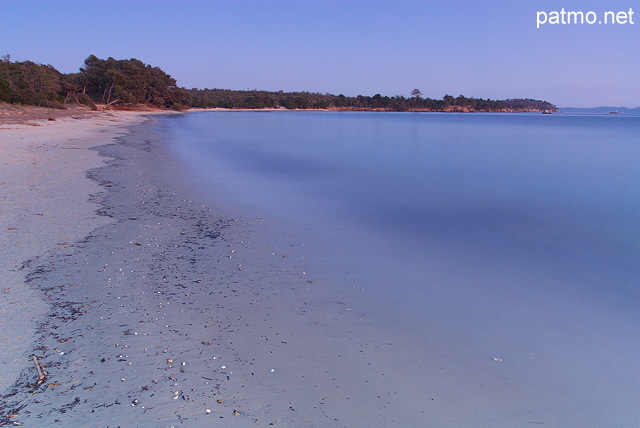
(149, 300)
(157, 310)
(149, 303)
(43, 205)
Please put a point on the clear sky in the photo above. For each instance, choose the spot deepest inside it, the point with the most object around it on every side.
(488, 49)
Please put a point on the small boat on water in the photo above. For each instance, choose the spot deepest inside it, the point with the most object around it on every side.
(614, 112)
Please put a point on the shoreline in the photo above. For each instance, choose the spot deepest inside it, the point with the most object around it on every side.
(380, 110)
(185, 307)
(170, 312)
(41, 161)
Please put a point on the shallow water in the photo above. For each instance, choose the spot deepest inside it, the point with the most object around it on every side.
(507, 246)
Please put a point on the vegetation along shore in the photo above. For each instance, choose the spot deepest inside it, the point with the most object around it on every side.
(120, 84)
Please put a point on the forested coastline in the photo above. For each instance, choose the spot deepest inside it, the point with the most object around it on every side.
(129, 83)
(108, 82)
(224, 98)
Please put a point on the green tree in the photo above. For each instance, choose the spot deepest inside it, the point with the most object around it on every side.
(131, 81)
(5, 91)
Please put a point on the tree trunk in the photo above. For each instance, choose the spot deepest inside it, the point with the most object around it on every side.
(109, 96)
(112, 102)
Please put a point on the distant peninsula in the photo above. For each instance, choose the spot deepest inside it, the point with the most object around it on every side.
(130, 84)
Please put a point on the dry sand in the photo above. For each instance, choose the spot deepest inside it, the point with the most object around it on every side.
(44, 205)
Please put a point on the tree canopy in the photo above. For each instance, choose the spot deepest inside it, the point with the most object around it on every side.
(30, 83)
(224, 98)
(130, 81)
(105, 81)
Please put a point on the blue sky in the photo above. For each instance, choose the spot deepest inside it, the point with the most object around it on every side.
(488, 49)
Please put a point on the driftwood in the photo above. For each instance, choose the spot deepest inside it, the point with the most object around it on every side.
(42, 373)
(112, 102)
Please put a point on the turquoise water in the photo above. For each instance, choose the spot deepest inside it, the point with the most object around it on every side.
(512, 236)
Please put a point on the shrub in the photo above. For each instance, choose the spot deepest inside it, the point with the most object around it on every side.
(86, 100)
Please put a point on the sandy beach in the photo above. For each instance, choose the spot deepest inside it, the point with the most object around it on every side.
(44, 194)
(146, 307)
(45, 207)
(135, 295)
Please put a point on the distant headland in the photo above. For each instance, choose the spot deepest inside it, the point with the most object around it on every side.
(128, 84)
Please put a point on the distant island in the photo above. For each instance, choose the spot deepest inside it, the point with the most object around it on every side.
(130, 83)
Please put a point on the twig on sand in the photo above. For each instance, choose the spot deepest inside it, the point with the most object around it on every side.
(42, 373)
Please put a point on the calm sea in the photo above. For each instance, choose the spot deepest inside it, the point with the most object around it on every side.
(511, 236)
